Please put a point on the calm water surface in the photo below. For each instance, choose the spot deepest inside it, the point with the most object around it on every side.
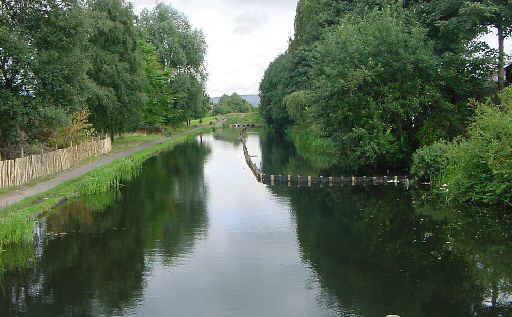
(195, 235)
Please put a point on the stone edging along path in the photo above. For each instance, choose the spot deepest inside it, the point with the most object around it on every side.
(15, 196)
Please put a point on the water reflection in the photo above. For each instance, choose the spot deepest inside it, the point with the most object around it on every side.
(95, 259)
(196, 235)
(383, 250)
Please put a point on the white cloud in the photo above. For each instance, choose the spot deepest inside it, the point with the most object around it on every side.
(243, 37)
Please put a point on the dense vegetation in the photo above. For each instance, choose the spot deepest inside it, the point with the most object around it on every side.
(375, 80)
(233, 103)
(476, 167)
(98, 59)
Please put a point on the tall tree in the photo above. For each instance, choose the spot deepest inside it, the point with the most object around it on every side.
(117, 99)
(43, 64)
(180, 46)
(182, 51)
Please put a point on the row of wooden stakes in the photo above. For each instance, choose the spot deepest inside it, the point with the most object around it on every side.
(298, 180)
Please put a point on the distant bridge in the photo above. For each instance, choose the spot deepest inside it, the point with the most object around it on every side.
(244, 125)
(298, 180)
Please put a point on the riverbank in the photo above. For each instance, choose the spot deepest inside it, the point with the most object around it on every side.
(312, 147)
(17, 220)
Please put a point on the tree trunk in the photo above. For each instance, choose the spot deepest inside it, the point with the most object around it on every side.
(501, 58)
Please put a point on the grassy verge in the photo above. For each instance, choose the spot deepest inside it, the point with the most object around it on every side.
(17, 221)
(124, 143)
(250, 117)
(205, 120)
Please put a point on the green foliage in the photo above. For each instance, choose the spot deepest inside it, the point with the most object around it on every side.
(179, 46)
(43, 68)
(111, 178)
(372, 105)
(181, 51)
(273, 88)
(299, 105)
(117, 69)
(429, 161)
(378, 78)
(58, 57)
(480, 165)
(157, 89)
(310, 145)
(230, 104)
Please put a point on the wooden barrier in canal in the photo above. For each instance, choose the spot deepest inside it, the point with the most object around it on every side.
(298, 180)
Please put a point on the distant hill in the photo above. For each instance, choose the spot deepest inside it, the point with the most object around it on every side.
(252, 99)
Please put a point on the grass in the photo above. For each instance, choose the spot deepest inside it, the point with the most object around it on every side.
(124, 143)
(17, 221)
(249, 117)
(205, 120)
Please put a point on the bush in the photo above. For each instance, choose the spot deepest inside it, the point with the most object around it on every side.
(429, 161)
(480, 166)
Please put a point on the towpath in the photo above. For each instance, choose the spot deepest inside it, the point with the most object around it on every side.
(15, 196)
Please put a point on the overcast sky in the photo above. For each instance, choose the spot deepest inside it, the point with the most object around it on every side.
(243, 37)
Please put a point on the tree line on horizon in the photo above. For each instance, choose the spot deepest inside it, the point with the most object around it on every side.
(230, 104)
(67, 63)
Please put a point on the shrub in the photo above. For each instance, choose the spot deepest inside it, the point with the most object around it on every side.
(429, 161)
(480, 166)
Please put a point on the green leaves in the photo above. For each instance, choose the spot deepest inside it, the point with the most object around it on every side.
(379, 78)
(479, 165)
(371, 77)
(233, 103)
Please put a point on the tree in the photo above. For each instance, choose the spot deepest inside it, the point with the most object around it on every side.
(233, 103)
(157, 89)
(376, 77)
(182, 52)
(497, 14)
(43, 65)
(180, 47)
(117, 99)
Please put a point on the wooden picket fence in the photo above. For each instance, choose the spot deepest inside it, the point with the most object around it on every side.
(23, 170)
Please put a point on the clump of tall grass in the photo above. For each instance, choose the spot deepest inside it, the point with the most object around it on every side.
(112, 177)
(15, 229)
(102, 201)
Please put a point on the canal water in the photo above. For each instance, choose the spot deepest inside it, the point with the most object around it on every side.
(194, 234)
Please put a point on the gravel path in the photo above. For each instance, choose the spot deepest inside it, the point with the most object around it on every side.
(16, 196)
